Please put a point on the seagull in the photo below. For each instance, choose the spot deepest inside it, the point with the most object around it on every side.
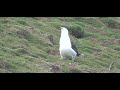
(67, 50)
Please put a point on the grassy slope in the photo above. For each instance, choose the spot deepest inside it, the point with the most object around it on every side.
(24, 45)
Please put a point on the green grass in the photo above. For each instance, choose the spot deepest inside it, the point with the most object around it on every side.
(24, 44)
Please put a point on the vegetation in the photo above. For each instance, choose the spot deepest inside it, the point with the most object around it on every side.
(31, 44)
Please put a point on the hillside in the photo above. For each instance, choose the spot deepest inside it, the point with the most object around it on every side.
(31, 44)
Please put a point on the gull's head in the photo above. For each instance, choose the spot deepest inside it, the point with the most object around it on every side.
(64, 30)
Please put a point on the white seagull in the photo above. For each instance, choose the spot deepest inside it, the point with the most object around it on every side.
(66, 50)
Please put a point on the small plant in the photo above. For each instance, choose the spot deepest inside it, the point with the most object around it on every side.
(76, 30)
(23, 23)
